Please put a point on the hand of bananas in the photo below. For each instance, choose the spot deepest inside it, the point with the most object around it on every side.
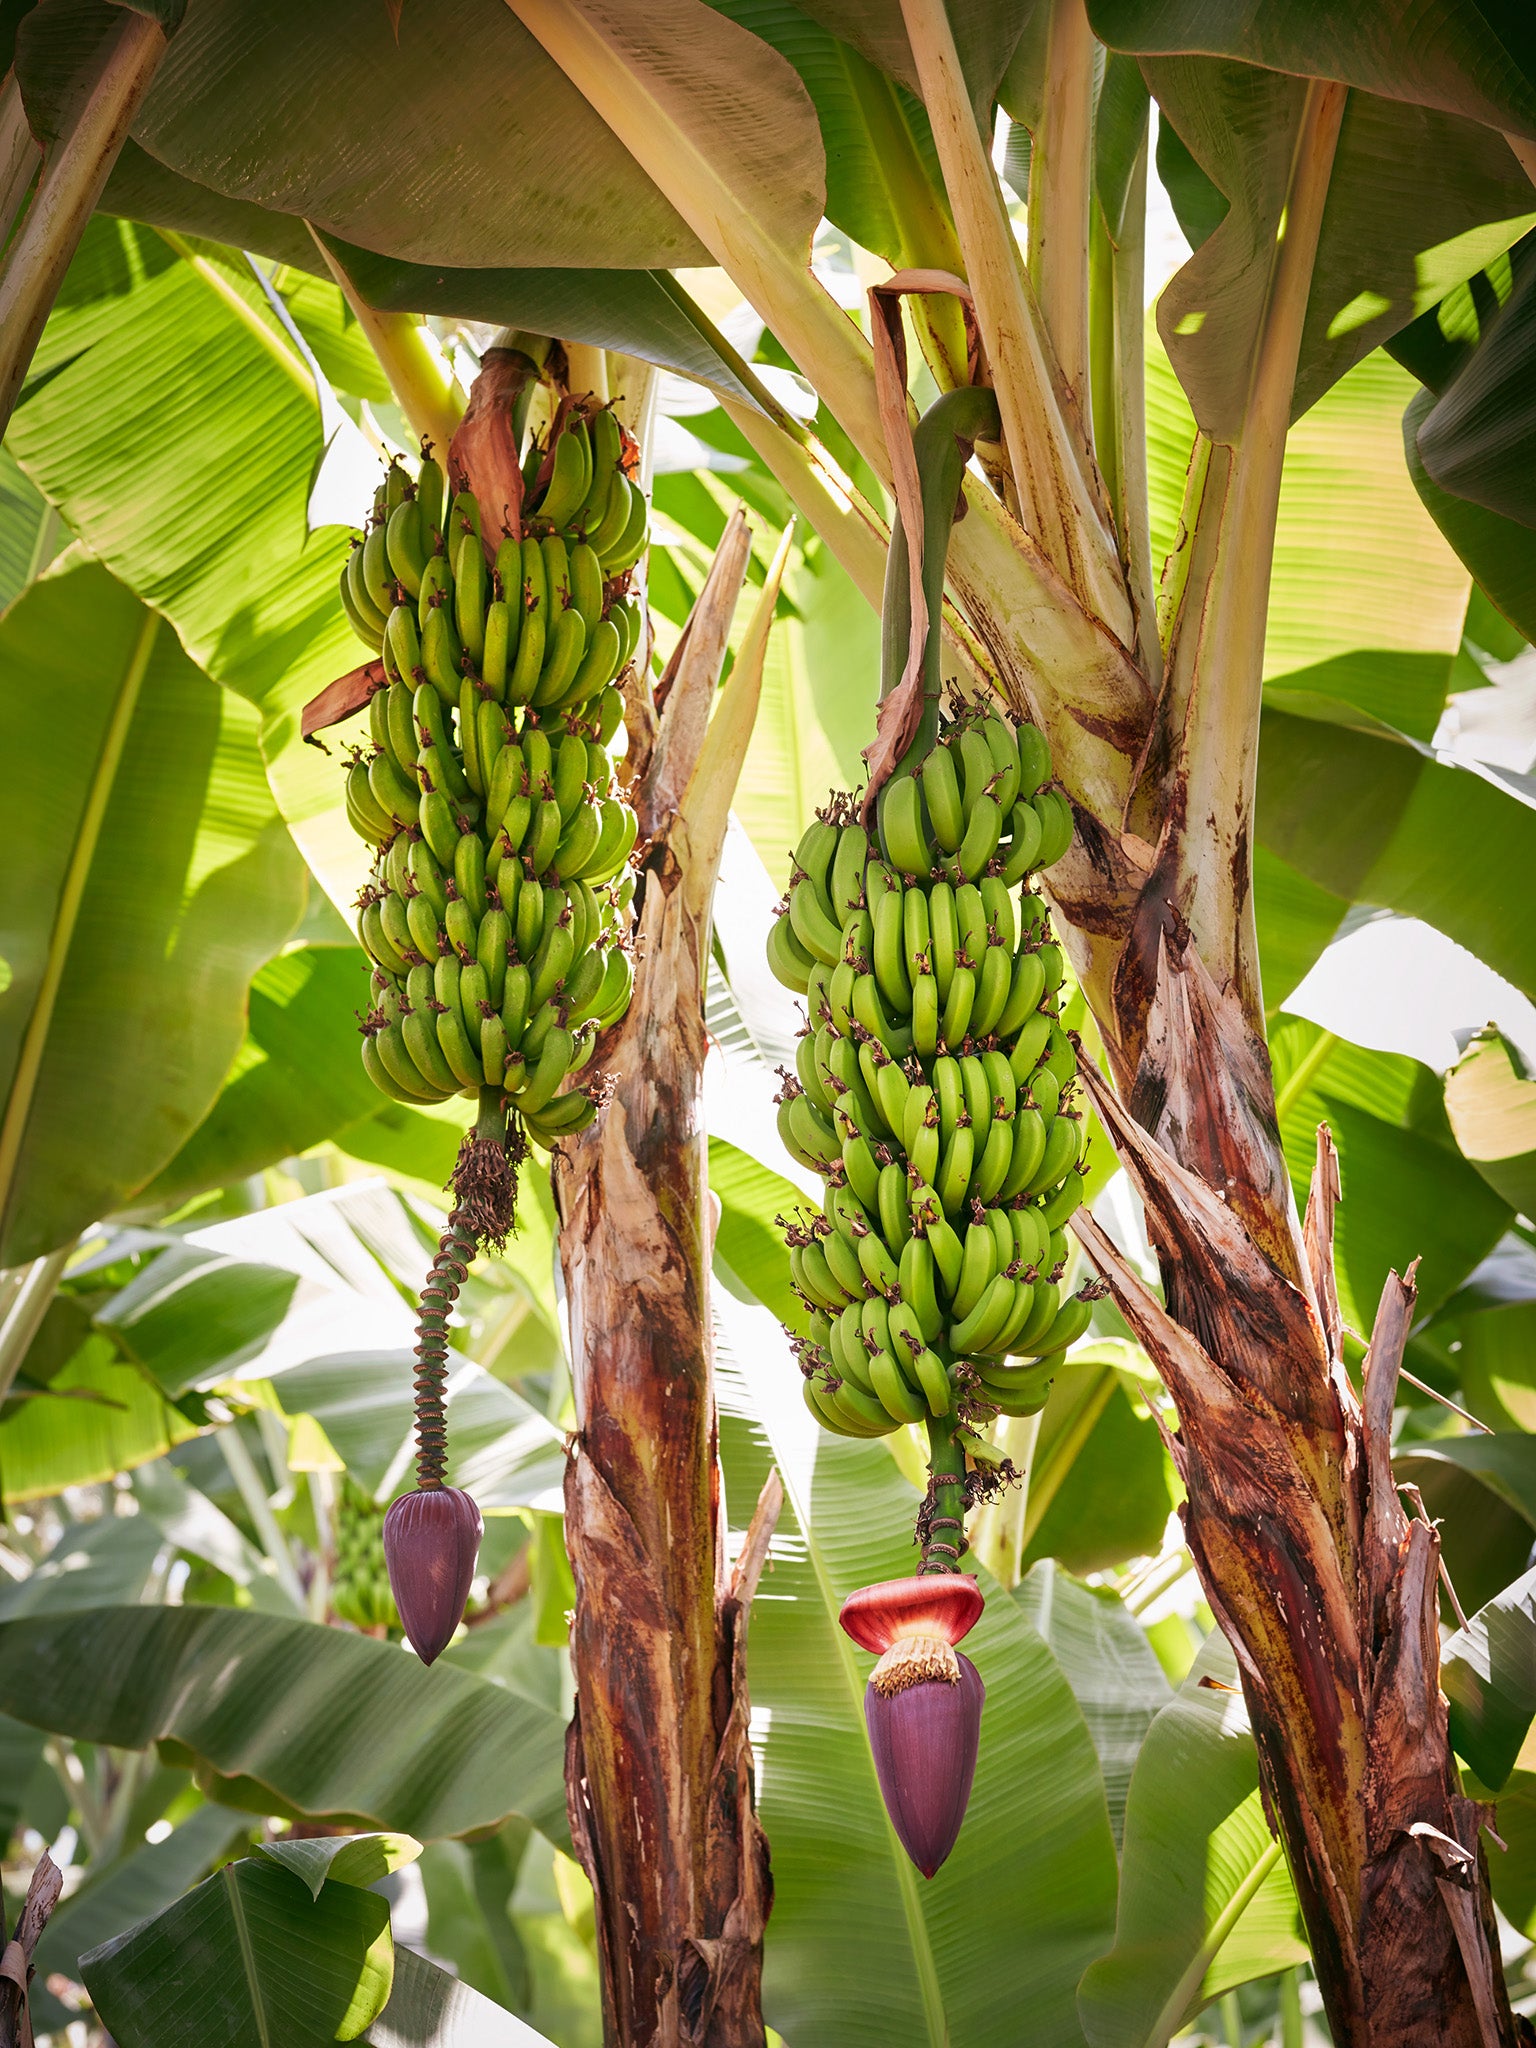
(359, 1585)
(493, 914)
(929, 1090)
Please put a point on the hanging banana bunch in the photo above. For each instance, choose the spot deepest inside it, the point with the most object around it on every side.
(359, 1590)
(933, 1090)
(933, 1093)
(496, 914)
(492, 916)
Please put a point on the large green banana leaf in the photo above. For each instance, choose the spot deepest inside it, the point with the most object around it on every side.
(108, 1562)
(1408, 1192)
(247, 1956)
(149, 877)
(296, 1080)
(136, 1886)
(1418, 199)
(190, 479)
(1358, 811)
(1205, 1898)
(1488, 1674)
(1101, 1484)
(93, 1416)
(319, 1296)
(860, 1948)
(1366, 600)
(1478, 61)
(1491, 1102)
(28, 527)
(1500, 552)
(461, 143)
(288, 1717)
(1109, 1664)
(884, 187)
(429, 2009)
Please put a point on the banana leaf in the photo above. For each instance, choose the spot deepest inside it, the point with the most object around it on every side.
(1488, 1674)
(1407, 1191)
(460, 143)
(248, 1955)
(291, 1718)
(150, 878)
(1206, 1902)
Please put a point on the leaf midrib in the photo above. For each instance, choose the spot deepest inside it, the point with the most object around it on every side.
(1172, 2013)
(18, 1108)
(247, 1952)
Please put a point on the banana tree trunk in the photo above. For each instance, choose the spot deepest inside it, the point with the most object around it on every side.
(658, 1766)
(1325, 1587)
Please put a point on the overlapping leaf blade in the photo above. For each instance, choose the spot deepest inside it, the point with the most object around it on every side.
(116, 1032)
(288, 1717)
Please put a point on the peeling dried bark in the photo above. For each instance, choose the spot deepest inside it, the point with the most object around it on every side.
(1324, 1586)
(658, 1765)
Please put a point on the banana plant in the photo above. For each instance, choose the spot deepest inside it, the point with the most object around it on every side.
(710, 138)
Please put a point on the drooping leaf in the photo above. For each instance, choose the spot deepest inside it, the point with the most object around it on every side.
(1505, 1462)
(1488, 1674)
(247, 1956)
(182, 451)
(1418, 199)
(30, 532)
(359, 1860)
(884, 187)
(985, 35)
(191, 1316)
(500, 1449)
(843, 1885)
(96, 1417)
(149, 877)
(1101, 1486)
(93, 1564)
(637, 311)
(1477, 439)
(1205, 1898)
(1512, 1871)
(751, 1195)
(426, 155)
(1366, 599)
(1500, 552)
(1474, 61)
(1296, 919)
(198, 1528)
(141, 188)
(291, 1718)
(1485, 1539)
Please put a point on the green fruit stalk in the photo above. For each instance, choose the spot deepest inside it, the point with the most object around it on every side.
(933, 1090)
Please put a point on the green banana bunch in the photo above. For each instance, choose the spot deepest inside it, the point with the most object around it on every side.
(932, 1090)
(359, 1584)
(495, 914)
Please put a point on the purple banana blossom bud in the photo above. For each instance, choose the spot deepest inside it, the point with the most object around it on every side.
(924, 1740)
(431, 1541)
(922, 1705)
